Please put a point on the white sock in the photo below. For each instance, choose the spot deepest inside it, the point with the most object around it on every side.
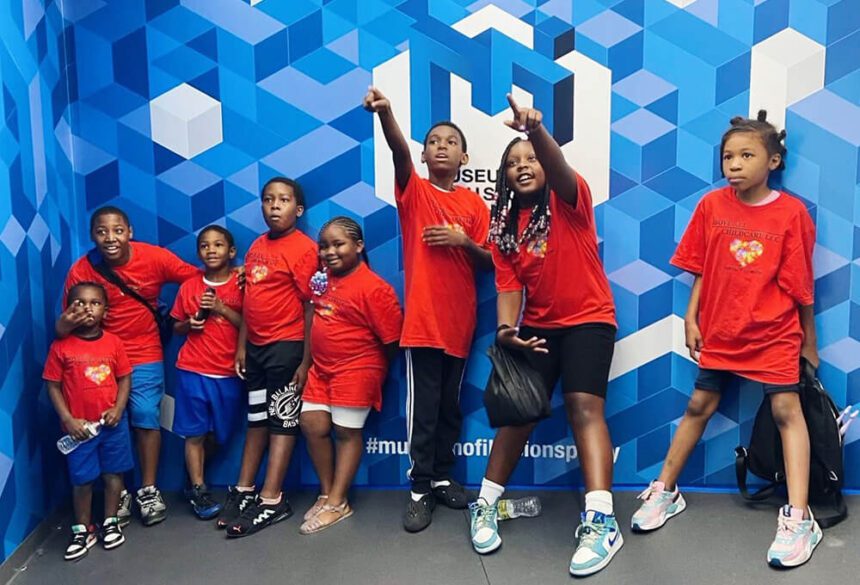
(599, 501)
(491, 491)
(417, 497)
(443, 483)
(244, 489)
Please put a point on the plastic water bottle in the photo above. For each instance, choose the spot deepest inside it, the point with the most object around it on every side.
(68, 443)
(527, 507)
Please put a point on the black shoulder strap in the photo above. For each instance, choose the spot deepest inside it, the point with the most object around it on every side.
(112, 277)
(741, 474)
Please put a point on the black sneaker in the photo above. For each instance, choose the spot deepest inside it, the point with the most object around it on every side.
(82, 540)
(112, 536)
(202, 503)
(453, 495)
(234, 505)
(258, 515)
(418, 515)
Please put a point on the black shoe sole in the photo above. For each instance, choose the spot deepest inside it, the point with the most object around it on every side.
(274, 520)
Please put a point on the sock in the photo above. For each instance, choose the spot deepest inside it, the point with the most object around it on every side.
(790, 511)
(599, 501)
(272, 501)
(443, 483)
(416, 497)
(244, 489)
(491, 491)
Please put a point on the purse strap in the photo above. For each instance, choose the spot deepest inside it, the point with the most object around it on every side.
(99, 265)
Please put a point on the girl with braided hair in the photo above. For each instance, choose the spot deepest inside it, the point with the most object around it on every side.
(356, 327)
(749, 322)
(544, 247)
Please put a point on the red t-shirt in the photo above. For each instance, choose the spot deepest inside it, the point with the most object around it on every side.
(563, 277)
(149, 268)
(354, 319)
(213, 350)
(277, 279)
(756, 268)
(440, 281)
(88, 370)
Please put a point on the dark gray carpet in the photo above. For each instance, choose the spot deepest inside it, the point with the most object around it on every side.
(718, 540)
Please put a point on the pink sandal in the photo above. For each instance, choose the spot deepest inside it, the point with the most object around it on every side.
(327, 516)
(315, 509)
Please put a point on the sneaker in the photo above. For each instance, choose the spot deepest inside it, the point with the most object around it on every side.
(152, 507)
(452, 495)
(418, 515)
(112, 535)
(258, 515)
(485, 526)
(82, 540)
(795, 540)
(202, 503)
(124, 510)
(658, 506)
(234, 505)
(599, 540)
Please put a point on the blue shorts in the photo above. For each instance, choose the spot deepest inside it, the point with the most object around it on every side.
(719, 380)
(107, 452)
(203, 404)
(144, 400)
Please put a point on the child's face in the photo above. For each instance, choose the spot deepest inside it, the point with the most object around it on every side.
(523, 171)
(338, 251)
(91, 301)
(111, 235)
(214, 250)
(443, 151)
(280, 209)
(746, 163)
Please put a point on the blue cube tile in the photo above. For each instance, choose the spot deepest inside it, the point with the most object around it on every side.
(554, 38)
(613, 41)
(642, 145)
(643, 295)
(377, 218)
(824, 21)
(648, 91)
(832, 279)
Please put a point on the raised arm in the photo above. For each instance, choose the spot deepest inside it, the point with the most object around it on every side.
(560, 175)
(377, 103)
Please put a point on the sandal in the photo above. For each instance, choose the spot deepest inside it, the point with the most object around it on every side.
(328, 516)
(315, 509)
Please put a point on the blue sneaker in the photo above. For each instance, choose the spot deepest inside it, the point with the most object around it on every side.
(485, 526)
(202, 503)
(599, 540)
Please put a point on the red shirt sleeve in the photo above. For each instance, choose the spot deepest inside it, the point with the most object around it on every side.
(400, 195)
(303, 270)
(53, 371)
(795, 271)
(123, 366)
(384, 314)
(481, 227)
(178, 311)
(690, 254)
(174, 269)
(506, 278)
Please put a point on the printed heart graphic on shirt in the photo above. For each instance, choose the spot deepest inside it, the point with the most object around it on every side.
(746, 252)
(97, 374)
(258, 273)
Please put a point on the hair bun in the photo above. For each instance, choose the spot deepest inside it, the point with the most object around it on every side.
(737, 120)
(762, 116)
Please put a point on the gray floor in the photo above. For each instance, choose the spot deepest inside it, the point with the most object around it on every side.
(717, 540)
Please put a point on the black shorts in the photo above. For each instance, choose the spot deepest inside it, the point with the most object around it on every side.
(272, 401)
(720, 380)
(580, 355)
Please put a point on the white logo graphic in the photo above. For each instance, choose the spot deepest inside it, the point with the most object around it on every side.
(285, 405)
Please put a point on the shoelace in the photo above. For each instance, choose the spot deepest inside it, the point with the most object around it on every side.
(484, 515)
(589, 533)
(246, 500)
(248, 512)
(786, 528)
(148, 500)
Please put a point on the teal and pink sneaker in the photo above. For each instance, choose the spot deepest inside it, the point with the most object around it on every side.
(599, 540)
(658, 506)
(795, 540)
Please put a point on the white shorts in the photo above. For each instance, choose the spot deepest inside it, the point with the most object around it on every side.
(347, 417)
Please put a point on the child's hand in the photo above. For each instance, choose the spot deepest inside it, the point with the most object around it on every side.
(112, 416)
(694, 339)
(810, 352)
(507, 336)
(239, 362)
(300, 378)
(525, 119)
(196, 324)
(375, 102)
(73, 316)
(77, 428)
(240, 276)
(442, 235)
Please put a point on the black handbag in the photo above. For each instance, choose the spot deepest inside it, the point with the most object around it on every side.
(516, 394)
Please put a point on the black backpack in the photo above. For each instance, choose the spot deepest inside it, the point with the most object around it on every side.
(515, 393)
(764, 455)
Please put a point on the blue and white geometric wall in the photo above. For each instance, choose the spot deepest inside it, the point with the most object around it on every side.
(180, 110)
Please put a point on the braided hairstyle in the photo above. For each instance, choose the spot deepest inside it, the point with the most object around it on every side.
(767, 132)
(352, 229)
(504, 215)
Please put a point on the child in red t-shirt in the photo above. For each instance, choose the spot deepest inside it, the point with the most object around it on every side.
(209, 397)
(444, 229)
(555, 306)
(749, 321)
(88, 376)
(354, 335)
(273, 356)
(145, 269)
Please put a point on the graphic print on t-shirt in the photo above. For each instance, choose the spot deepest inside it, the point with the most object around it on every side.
(259, 273)
(746, 252)
(746, 246)
(98, 374)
